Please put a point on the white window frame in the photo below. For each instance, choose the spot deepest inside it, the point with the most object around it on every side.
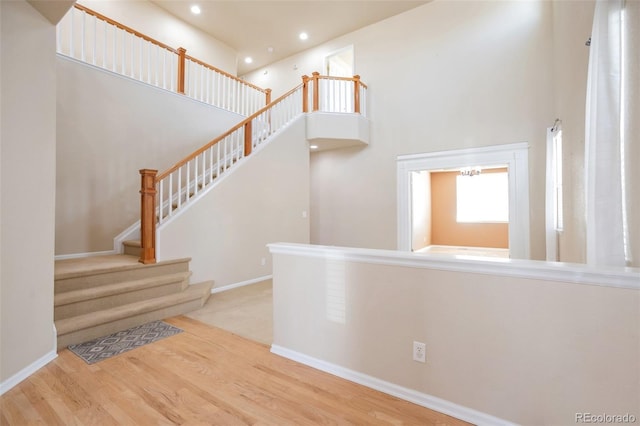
(515, 156)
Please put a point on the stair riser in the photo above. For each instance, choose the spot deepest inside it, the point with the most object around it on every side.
(111, 301)
(105, 329)
(93, 280)
(132, 250)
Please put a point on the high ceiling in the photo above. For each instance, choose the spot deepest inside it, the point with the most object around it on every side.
(252, 27)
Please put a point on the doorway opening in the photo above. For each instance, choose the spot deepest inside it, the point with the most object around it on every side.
(434, 215)
(340, 63)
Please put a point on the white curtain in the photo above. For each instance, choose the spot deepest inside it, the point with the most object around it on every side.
(611, 135)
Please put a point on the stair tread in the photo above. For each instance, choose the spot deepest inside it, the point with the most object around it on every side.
(192, 292)
(132, 243)
(126, 265)
(73, 296)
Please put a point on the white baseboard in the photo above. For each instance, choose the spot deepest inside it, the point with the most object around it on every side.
(31, 368)
(419, 398)
(80, 255)
(240, 284)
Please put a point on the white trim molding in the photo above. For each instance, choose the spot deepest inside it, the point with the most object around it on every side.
(419, 398)
(619, 277)
(516, 158)
(81, 255)
(31, 368)
(240, 284)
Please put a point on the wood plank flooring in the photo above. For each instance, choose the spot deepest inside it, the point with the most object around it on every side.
(203, 376)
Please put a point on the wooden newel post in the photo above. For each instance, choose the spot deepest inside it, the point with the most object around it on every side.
(267, 93)
(356, 94)
(316, 82)
(148, 216)
(181, 67)
(247, 138)
(305, 93)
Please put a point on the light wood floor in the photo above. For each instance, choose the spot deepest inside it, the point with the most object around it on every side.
(203, 376)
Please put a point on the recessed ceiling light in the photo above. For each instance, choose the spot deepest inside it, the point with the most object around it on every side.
(248, 60)
(313, 146)
(195, 9)
(270, 49)
(303, 36)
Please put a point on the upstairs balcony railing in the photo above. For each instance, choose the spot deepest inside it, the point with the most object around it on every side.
(88, 36)
(164, 195)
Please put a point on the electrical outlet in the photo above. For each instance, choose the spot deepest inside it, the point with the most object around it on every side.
(419, 351)
(263, 261)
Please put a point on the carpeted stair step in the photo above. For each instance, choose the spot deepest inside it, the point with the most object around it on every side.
(91, 299)
(85, 327)
(132, 247)
(97, 275)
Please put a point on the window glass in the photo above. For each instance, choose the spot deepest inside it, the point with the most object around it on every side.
(482, 198)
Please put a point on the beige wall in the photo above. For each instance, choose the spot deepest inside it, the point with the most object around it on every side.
(445, 230)
(108, 128)
(443, 76)
(262, 201)
(526, 350)
(157, 23)
(28, 144)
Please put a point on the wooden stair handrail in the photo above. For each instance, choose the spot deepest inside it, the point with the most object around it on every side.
(124, 27)
(181, 52)
(226, 74)
(355, 77)
(244, 122)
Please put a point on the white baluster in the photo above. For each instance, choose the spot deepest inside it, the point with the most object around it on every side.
(172, 66)
(204, 169)
(132, 69)
(180, 186)
(211, 163)
(124, 45)
(104, 48)
(115, 55)
(195, 176)
(218, 159)
(95, 37)
(157, 51)
(82, 34)
(148, 62)
(160, 194)
(170, 197)
(202, 87)
(72, 33)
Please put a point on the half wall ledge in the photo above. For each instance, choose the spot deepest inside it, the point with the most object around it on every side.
(329, 130)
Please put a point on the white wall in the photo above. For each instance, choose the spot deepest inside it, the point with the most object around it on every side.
(157, 23)
(531, 350)
(420, 209)
(260, 201)
(28, 168)
(442, 76)
(108, 128)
